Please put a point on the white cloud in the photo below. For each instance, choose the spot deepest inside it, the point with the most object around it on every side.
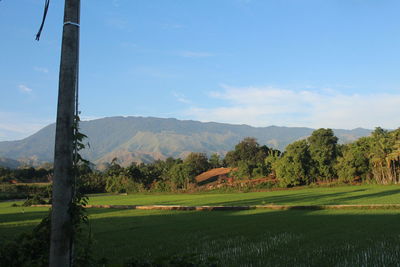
(194, 54)
(263, 106)
(41, 69)
(24, 88)
(181, 98)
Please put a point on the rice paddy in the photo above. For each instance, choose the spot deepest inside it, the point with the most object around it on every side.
(355, 237)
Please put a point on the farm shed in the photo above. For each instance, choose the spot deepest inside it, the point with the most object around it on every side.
(213, 175)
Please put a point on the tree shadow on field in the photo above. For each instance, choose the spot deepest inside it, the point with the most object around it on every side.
(22, 214)
(218, 232)
(300, 198)
(24, 219)
(95, 211)
(372, 195)
(268, 197)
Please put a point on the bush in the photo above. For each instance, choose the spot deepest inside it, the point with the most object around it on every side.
(265, 185)
(92, 183)
(32, 249)
(14, 191)
(25, 188)
(161, 186)
(36, 199)
(122, 184)
(28, 249)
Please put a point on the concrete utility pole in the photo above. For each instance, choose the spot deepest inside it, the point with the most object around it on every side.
(61, 226)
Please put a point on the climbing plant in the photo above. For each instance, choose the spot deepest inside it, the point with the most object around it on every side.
(32, 249)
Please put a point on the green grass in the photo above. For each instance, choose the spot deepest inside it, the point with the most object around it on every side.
(366, 194)
(242, 238)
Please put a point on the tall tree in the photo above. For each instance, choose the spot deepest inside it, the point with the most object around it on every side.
(354, 162)
(383, 155)
(247, 150)
(196, 163)
(215, 161)
(296, 166)
(249, 157)
(324, 151)
(393, 162)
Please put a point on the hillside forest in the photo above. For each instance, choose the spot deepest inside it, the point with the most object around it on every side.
(318, 159)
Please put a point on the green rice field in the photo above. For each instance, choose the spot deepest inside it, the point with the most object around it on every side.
(356, 237)
(366, 194)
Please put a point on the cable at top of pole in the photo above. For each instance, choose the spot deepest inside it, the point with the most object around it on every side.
(46, 8)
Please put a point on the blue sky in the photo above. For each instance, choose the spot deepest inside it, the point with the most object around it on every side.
(313, 63)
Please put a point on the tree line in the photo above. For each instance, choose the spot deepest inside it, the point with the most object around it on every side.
(374, 159)
(25, 174)
(316, 159)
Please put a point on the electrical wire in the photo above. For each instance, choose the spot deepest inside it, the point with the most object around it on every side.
(46, 8)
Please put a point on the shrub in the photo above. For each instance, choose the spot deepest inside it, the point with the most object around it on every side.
(30, 249)
(122, 184)
(161, 186)
(14, 191)
(92, 183)
(36, 199)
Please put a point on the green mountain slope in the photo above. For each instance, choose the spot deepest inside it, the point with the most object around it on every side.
(145, 139)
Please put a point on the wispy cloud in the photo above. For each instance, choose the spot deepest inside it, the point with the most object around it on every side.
(15, 126)
(25, 89)
(263, 106)
(41, 69)
(194, 54)
(181, 98)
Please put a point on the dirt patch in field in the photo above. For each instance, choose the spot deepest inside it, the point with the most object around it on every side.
(217, 208)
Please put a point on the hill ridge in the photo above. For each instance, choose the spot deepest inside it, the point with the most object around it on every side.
(143, 139)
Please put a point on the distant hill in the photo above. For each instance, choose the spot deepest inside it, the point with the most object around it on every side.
(144, 139)
(9, 163)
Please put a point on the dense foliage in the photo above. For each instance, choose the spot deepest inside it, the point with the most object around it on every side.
(324, 152)
(25, 174)
(296, 166)
(374, 159)
(248, 158)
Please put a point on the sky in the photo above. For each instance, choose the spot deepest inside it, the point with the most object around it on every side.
(307, 63)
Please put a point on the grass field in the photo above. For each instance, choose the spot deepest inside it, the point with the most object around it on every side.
(366, 194)
(242, 238)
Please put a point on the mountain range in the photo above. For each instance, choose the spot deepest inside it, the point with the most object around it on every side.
(145, 139)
